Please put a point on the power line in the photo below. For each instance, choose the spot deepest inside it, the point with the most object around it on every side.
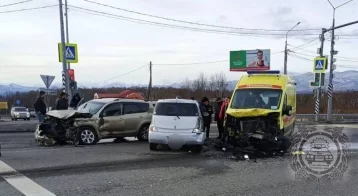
(349, 59)
(11, 4)
(208, 62)
(28, 9)
(185, 27)
(193, 23)
(305, 44)
(123, 74)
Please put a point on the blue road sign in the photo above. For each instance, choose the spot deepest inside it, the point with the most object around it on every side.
(319, 65)
(18, 102)
(70, 51)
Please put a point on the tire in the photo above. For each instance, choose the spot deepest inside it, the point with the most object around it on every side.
(15, 119)
(143, 133)
(12, 119)
(28, 119)
(153, 146)
(87, 136)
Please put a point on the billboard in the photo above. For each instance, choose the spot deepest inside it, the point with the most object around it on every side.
(3, 105)
(244, 60)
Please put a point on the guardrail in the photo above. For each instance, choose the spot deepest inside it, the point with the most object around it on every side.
(323, 117)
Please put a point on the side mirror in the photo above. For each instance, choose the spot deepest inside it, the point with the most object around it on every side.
(287, 111)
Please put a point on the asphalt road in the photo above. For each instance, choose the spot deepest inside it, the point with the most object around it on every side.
(130, 168)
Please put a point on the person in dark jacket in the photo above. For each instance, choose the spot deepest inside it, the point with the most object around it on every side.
(62, 102)
(206, 111)
(219, 122)
(75, 100)
(40, 106)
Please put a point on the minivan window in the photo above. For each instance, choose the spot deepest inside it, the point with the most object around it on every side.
(131, 108)
(144, 107)
(176, 109)
(20, 110)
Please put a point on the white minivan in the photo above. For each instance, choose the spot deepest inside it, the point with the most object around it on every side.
(177, 123)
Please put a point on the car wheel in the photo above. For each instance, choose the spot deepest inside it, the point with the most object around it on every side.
(12, 119)
(87, 136)
(143, 133)
(15, 119)
(153, 146)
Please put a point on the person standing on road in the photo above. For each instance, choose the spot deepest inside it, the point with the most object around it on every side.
(62, 102)
(206, 111)
(219, 122)
(75, 100)
(40, 106)
(223, 109)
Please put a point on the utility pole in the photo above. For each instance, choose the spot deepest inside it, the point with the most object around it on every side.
(64, 61)
(67, 36)
(150, 80)
(319, 90)
(286, 51)
(70, 92)
(330, 85)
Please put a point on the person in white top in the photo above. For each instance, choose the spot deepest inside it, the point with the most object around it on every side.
(260, 62)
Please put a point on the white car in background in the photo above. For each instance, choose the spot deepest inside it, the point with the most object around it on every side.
(20, 113)
(177, 123)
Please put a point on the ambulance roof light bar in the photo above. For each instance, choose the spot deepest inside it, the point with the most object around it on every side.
(264, 72)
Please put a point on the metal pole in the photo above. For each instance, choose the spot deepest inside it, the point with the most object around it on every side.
(70, 92)
(319, 89)
(285, 61)
(67, 35)
(330, 85)
(64, 61)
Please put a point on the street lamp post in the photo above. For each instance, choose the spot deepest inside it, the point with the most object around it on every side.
(332, 53)
(285, 62)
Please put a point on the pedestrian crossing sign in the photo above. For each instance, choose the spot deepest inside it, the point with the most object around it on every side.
(71, 53)
(320, 65)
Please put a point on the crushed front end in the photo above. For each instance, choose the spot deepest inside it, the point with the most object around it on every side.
(262, 132)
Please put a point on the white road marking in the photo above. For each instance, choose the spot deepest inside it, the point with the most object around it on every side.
(21, 182)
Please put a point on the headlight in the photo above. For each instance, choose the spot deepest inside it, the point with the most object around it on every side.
(197, 131)
(27, 114)
(153, 129)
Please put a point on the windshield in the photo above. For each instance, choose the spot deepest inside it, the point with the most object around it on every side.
(257, 98)
(91, 107)
(20, 110)
(176, 109)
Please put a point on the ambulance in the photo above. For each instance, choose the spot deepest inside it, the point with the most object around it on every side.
(262, 111)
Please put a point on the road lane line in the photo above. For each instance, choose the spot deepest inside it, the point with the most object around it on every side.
(21, 182)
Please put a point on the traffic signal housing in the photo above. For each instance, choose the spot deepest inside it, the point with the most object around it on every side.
(318, 80)
(71, 77)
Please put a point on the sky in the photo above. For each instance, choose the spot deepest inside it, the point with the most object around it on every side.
(109, 47)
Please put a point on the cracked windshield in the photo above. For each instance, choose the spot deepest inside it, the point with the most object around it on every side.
(180, 97)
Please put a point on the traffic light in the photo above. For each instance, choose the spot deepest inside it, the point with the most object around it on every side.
(71, 77)
(316, 81)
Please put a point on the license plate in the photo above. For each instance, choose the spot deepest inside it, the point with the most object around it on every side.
(319, 157)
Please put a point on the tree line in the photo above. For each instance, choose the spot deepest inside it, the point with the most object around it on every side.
(212, 86)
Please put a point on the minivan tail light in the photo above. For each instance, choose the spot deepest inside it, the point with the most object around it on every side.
(153, 129)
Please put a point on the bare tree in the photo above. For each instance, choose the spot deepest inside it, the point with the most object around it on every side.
(187, 84)
(221, 83)
(212, 84)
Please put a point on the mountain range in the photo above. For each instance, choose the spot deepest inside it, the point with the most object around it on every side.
(342, 81)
